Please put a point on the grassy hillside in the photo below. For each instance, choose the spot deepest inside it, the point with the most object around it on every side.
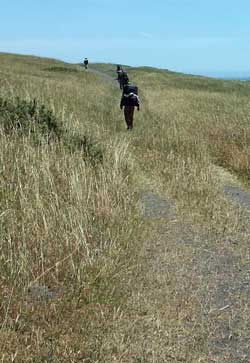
(76, 285)
(68, 215)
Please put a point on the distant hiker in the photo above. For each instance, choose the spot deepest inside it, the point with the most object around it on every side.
(122, 77)
(125, 79)
(129, 101)
(86, 62)
(119, 72)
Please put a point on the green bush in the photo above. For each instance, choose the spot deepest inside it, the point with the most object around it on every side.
(27, 117)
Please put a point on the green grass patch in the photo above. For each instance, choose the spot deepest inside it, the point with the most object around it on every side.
(62, 69)
(27, 117)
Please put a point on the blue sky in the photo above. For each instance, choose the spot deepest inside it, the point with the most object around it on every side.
(195, 36)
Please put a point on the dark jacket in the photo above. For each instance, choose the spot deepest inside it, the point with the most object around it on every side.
(122, 77)
(130, 100)
(119, 75)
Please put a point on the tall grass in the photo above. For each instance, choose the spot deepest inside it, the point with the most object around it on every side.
(75, 283)
(67, 224)
(188, 130)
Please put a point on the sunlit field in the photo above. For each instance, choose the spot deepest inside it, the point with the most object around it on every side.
(86, 276)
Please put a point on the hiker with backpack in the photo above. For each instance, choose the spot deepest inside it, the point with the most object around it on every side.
(122, 77)
(129, 101)
(86, 62)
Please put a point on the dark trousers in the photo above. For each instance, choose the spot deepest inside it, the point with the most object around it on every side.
(121, 83)
(129, 116)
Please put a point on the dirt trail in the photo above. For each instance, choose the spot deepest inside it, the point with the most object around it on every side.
(238, 195)
(192, 298)
(193, 292)
(103, 75)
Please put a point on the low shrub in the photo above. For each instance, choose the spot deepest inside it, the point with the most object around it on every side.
(28, 117)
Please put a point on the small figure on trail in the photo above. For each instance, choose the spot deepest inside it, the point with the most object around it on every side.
(119, 72)
(129, 101)
(125, 79)
(122, 76)
(86, 62)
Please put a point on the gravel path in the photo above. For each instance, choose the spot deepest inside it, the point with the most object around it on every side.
(238, 195)
(193, 294)
(192, 302)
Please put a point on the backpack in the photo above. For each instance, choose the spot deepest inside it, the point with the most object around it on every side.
(129, 88)
(130, 95)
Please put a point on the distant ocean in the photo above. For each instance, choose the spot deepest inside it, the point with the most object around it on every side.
(233, 77)
(236, 79)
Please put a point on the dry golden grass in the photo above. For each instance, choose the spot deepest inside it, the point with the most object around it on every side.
(67, 226)
(195, 264)
(77, 282)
